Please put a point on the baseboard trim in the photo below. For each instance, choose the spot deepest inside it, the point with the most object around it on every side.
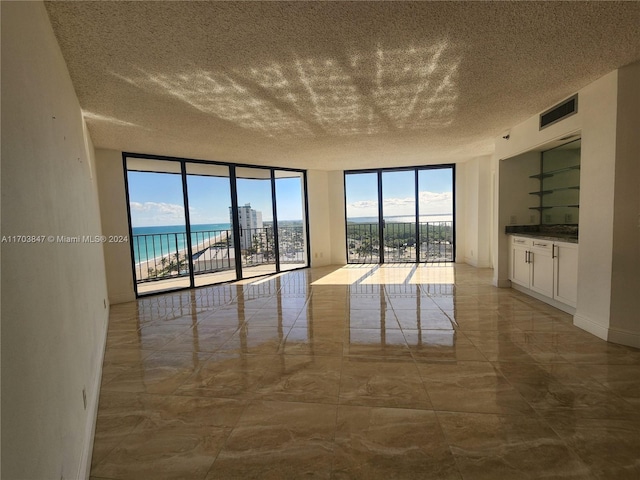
(624, 337)
(549, 301)
(122, 298)
(90, 428)
(590, 326)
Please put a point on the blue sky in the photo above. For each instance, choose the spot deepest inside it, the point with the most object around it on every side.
(156, 198)
(435, 187)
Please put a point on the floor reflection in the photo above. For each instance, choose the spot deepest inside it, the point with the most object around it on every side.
(334, 367)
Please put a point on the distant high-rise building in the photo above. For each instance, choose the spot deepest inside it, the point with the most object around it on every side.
(248, 220)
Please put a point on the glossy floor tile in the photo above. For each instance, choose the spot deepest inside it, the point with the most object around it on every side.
(362, 372)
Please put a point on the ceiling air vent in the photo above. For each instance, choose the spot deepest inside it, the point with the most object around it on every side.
(559, 112)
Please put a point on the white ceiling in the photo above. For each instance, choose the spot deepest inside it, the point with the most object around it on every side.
(331, 85)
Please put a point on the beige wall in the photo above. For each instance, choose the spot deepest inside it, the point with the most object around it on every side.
(327, 217)
(337, 220)
(319, 217)
(597, 174)
(54, 314)
(625, 302)
(113, 211)
(474, 203)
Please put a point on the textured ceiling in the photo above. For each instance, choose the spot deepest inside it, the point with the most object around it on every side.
(331, 85)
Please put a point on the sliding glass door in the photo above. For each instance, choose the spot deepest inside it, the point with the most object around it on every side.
(255, 221)
(292, 221)
(400, 215)
(436, 240)
(158, 225)
(196, 223)
(209, 197)
(363, 217)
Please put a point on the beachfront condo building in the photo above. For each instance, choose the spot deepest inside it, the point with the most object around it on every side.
(449, 288)
(249, 222)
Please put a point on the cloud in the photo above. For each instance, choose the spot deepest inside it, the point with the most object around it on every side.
(364, 204)
(156, 213)
(430, 203)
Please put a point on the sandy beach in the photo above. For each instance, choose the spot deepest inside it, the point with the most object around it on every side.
(210, 258)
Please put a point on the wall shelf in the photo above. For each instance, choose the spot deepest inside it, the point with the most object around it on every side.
(552, 173)
(558, 196)
(553, 190)
(554, 206)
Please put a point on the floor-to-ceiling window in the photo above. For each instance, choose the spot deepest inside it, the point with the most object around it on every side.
(400, 215)
(209, 197)
(158, 224)
(196, 223)
(256, 221)
(436, 206)
(292, 219)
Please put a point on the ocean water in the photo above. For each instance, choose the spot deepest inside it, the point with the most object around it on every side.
(165, 241)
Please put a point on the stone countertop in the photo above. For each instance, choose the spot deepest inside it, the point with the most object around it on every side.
(546, 236)
(560, 233)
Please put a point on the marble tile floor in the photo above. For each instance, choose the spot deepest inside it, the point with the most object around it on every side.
(362, 372)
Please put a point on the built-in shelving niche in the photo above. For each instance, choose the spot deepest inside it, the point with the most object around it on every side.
(558, 199)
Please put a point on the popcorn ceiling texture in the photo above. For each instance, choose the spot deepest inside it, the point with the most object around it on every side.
(331, 85)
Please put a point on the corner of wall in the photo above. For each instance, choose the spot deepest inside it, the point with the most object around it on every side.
(113, 212)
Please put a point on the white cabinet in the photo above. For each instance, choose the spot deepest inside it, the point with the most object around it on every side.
(565, 273)
(519, 261)
(541, 267)
(546, 267)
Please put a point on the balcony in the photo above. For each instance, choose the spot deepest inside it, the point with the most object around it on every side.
(434, 242)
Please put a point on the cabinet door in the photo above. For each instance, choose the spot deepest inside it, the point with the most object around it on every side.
(566, 273)
(519, 267)
(541, 264)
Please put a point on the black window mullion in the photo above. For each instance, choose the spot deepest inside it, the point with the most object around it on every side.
(453, 214)
(274, 206)
(417, 233)
(235, 222)
(380, 219)
(306, 217)
(127, 199)
(185, 196)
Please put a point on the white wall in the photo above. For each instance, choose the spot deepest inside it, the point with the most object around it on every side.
(474, 203)
(337, 220)
(607, 121)
(464, 219)
(320, 215)
(54, 314)
(597, 174)
(625, 302)
(113, 211)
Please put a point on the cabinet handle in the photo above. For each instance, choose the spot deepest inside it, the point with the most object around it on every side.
(539, 244)
(530, 257)
(526, 256)
(553, 251)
